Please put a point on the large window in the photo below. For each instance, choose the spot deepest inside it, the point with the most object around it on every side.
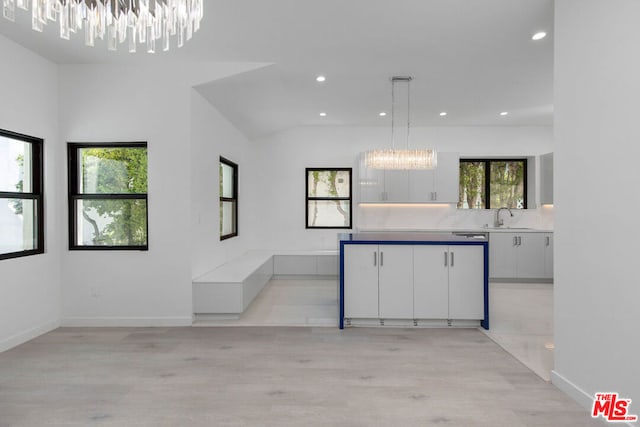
(228, 199)
(493, 184)
(328, 198)
(108, 196)
(21, 210)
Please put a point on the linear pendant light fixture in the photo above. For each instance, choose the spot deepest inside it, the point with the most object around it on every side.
(401, 159)
(140, 21)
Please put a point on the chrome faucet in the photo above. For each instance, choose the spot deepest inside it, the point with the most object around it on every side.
(497, 222)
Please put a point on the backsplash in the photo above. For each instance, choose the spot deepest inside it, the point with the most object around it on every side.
(377, 217)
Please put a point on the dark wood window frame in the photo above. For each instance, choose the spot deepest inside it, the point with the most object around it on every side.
(36, 194)
(74, 195)
(234, 199)
(487, 177)
(308, 199)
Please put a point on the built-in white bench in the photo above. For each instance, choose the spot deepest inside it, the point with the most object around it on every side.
(305, 263)
(230, 288)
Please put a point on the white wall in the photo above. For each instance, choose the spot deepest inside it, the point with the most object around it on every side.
(30, 286)
(281, 160)
(597, 100)
(107, 103)
(213, 136)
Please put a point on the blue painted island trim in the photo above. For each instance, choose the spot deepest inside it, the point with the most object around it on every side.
(484, 322)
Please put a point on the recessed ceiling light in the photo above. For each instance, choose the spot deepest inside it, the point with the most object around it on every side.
(323, 114)
(444, 113)
(539, 36)
(320, 79)
(382, 114)
(504, 113)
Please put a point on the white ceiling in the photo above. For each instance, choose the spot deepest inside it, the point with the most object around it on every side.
(471, 58)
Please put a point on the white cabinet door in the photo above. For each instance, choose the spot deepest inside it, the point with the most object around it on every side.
(503, 255)
(531, 248)
(446, 179)
(370, 183)
(395, 281)
(396, 186)
(361, 281)
(437, 185)
(421, 185)
(430, 282)
(466, 282)
(548, 256)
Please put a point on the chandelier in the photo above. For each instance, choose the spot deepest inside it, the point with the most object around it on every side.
(139, 21)
(400, 159)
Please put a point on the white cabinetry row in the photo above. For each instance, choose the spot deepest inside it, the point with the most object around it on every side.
(438, 185)
(414, 282)
(521, 255)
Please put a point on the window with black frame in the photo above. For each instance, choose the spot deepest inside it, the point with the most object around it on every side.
(328, 198)
(228, 199)
(21, 202)
(108, 196)
(493, 183)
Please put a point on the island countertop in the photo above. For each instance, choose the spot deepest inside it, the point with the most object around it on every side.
(412, 237)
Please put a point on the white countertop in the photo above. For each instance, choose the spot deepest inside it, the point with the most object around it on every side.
(458, 230)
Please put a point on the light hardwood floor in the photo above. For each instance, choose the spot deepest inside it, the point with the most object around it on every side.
(274, 376)
(284, 376)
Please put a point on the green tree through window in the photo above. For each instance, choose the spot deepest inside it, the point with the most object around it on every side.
(109, 205)
(493, 183)
(328, 198)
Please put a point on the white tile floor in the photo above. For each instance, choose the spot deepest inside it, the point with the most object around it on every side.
(521, 315)
(521, 322)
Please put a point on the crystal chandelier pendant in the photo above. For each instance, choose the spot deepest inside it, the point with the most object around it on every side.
(115, 20)
(400, 159)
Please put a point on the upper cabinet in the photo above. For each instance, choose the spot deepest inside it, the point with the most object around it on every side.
(438, 185)
(546, 179)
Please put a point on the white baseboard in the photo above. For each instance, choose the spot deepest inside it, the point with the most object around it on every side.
(583, 398)
(28, 335)
(118, 322)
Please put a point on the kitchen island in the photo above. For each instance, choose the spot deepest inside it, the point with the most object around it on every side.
(414, 279)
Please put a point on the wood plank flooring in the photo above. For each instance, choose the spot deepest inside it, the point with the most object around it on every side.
(274, 376)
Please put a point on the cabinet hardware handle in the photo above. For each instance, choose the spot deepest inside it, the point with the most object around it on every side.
(451, 259)
(515, 241)
(435, 195)
(446, 259)
(375, 259)
(519, 241)
(548, 240)
(381, 259)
